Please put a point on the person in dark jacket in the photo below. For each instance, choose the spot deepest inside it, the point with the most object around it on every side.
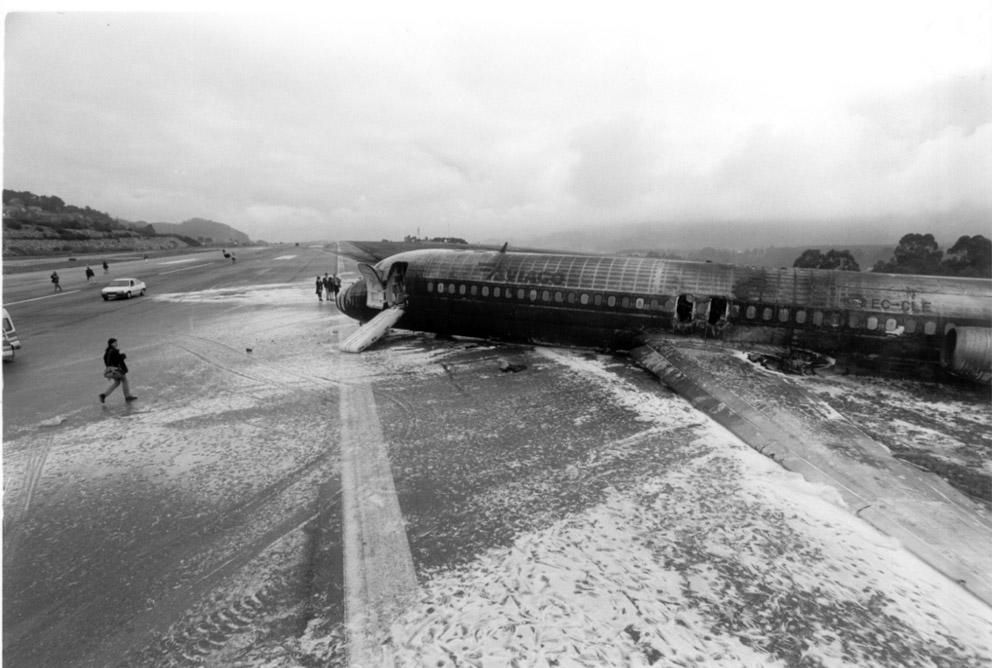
(115, 371)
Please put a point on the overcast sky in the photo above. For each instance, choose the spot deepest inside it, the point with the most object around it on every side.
(503, 122)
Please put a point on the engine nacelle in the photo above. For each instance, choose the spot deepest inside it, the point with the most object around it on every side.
(967, 352)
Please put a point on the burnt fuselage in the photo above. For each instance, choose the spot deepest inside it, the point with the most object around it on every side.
(890, 322)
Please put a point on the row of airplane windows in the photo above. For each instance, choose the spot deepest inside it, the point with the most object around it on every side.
(784, 314)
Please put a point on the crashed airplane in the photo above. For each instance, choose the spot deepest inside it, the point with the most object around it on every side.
(679, 319)
(885, 323)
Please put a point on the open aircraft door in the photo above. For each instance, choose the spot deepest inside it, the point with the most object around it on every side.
(375, 290)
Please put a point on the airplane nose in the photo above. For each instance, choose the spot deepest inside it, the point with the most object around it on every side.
(352, 302)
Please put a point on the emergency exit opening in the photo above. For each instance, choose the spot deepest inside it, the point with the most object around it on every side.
(395, 287)
(718, 310)
(683, 308)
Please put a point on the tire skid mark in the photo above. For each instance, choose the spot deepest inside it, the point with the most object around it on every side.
(205, 633)
(167, 553)
(198, 638)
(17, 511)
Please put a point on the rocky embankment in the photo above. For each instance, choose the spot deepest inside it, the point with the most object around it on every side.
(32, 240)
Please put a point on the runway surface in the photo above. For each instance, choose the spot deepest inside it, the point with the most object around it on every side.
(270, 501)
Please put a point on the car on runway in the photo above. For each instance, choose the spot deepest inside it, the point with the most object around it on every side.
(123, 288)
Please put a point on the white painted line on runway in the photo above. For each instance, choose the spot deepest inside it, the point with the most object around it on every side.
(35, 299)
(163, 273)
(379, 576)
(183, 261)
(284, 257)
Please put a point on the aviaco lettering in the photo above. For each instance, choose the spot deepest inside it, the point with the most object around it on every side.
(905, 306)
(539, 277)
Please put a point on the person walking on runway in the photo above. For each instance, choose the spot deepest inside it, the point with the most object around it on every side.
(115, 370)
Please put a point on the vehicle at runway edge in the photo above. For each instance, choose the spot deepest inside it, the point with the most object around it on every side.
(886, 323)
(11, 342)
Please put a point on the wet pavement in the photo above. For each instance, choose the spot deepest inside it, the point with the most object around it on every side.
(570, 512)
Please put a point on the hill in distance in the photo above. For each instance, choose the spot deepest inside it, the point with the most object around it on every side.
(207, 231)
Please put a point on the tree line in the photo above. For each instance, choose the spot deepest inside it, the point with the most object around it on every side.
(55, 205)
(970, 256)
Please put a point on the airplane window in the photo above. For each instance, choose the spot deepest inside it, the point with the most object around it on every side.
(817, 318)
(872, 322)
(545, 296)
(751, 312)
(767, 313)
(783, 315)
(597, 300)
(930, 328)
(890, 325)
(854, 320)
(800, 316)
(461, 289)
(584, 299)
(520, 293)
(910, 326)
(571, 297)
(496, 291)
(625, 302)
(533, 295)
(474, 290)
(440, 288)
(639, 303)
(485, 290)
(735, 311)
(559, 297)
(430, 286)
(835, 319)
(654, 305)
(451, 288)
(611, 301)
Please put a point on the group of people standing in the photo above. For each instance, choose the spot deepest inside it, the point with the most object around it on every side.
(328, 286)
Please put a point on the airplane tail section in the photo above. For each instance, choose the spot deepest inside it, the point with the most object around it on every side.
(372, 331)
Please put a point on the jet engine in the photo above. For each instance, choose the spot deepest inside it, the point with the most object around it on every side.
(967, 352)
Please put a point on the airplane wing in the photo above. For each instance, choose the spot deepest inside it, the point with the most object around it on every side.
(776, 416)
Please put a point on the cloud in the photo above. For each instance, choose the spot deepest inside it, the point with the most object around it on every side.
(486, 123)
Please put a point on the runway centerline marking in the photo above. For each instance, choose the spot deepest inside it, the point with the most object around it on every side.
(379, 576)
(173, 271)
(35, 299)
